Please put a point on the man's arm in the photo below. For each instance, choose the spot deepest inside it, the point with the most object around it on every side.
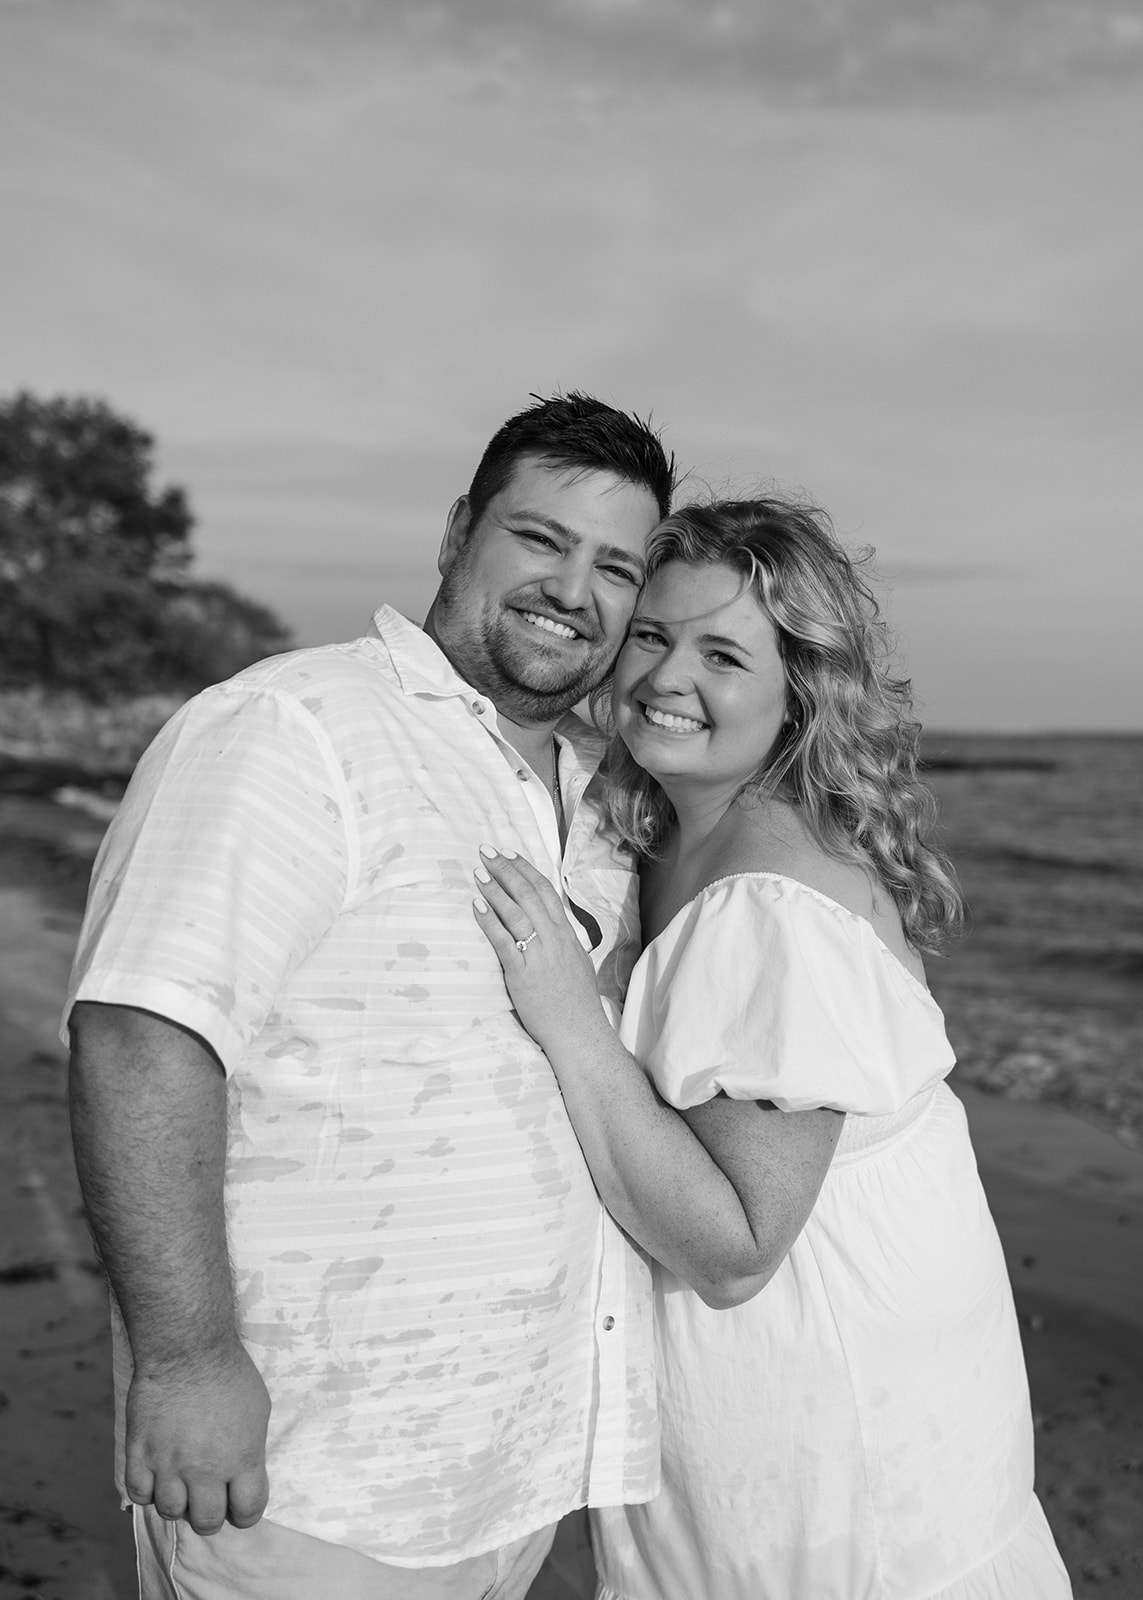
(148, 1114)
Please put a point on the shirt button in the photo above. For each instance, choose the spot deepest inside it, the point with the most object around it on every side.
(478, 708)
(521, 774)
(608, 1324)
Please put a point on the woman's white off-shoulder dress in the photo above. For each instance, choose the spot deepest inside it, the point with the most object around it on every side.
(861, 1429)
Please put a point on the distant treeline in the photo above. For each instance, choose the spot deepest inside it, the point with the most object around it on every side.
(96, 591)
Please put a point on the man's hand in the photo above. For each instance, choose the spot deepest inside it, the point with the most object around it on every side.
(196, 1441)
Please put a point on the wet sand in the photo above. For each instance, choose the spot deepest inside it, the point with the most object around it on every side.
(1067, 1196)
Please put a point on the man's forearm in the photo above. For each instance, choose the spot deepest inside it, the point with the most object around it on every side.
(148, 1107)
(148, 1110)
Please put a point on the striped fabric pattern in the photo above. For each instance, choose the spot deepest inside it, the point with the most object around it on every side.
(455, 1336)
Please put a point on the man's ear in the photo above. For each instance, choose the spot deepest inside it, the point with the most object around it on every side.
(456, 532)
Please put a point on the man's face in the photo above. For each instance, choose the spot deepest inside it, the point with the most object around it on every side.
(537, 595)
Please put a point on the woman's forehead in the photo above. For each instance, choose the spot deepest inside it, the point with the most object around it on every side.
(699, 593)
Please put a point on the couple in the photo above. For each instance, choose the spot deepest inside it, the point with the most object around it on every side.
(362, 1279)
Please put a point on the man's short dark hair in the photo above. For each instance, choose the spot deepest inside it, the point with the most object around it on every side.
(580, 433)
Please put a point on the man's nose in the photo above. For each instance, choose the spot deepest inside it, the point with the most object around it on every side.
(569, 586)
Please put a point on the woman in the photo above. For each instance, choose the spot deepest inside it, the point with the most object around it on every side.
(844, 1405)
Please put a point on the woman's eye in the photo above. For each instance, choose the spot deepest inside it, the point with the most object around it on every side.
(646, 636)
(721, 659)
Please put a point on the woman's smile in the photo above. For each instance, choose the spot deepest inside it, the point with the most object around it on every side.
(671, 722)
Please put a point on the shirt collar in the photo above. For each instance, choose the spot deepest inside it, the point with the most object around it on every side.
(419, 662)
(421, 667)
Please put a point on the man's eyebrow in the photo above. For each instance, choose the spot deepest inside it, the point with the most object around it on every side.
(616, 552)
(611, 552)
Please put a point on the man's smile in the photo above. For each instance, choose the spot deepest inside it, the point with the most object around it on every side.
(562, 630)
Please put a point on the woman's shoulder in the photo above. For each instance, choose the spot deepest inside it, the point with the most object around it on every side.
(778, 842)
(789, 852)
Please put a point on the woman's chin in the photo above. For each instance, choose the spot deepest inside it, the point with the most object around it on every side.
(660, 759)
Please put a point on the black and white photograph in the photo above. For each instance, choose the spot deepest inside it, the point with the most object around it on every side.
(571, 800)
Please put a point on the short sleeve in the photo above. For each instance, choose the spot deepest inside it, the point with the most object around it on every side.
(227, 861)
(762, 989)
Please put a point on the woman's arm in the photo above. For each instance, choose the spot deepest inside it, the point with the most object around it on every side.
(719, 1193)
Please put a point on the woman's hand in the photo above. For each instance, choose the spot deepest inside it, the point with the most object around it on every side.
(549, 976)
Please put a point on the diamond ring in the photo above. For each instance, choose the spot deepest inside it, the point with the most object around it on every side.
(522, 944)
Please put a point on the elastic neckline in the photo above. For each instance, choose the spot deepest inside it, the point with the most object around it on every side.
(834, 905)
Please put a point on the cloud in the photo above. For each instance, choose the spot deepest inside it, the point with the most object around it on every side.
(321, 249)
(919, 52)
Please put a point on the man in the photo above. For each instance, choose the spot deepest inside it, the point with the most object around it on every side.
(365, 1282)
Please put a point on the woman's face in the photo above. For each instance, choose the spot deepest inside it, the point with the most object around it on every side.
(700, 690)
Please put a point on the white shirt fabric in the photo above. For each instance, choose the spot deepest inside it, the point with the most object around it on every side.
(455, 1336)
(861, 1429)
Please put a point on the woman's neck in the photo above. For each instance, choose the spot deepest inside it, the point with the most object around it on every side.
(718, 834)
(700, 815)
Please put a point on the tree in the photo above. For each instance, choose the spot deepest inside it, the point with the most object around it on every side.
(95, 585)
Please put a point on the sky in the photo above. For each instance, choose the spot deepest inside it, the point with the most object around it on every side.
(887, 252)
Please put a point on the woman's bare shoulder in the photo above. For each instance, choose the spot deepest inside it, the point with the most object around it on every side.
(804, 860)
(774, 838)
(781, 843)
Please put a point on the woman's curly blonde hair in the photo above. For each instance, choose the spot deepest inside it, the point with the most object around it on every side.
(847, 755)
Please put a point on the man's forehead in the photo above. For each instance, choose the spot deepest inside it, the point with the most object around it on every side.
(533, 473)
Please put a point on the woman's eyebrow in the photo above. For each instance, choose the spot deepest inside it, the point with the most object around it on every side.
(716, 641)
(723, 641)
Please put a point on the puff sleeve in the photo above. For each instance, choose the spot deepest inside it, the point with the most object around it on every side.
(763, 989)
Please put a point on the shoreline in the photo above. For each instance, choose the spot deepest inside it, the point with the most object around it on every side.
(1067, 1195)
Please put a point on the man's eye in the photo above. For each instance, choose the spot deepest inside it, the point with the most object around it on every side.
(537, 538)
(624, 574)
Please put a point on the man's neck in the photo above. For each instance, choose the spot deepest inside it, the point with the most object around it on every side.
(536, 744)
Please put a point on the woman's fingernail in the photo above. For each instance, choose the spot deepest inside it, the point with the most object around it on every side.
(480, 904)
(487, 850)
(481, 876)
(509, 855)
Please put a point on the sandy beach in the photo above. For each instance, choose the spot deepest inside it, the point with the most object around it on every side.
(1067, 1195)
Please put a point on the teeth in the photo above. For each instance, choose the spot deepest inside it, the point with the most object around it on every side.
(668, 719)
(558, 628)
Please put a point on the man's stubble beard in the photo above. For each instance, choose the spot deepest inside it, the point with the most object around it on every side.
(509, 673)
(521, 692)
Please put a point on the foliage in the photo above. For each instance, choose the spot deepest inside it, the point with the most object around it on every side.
(43, 725)
(95, 585)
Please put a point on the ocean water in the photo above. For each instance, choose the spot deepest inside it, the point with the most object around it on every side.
(1044, 995)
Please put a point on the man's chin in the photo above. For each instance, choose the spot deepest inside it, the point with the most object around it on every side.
(551, 674)
(547, 696)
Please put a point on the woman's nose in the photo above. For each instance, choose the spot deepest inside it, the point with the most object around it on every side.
(669, 674)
